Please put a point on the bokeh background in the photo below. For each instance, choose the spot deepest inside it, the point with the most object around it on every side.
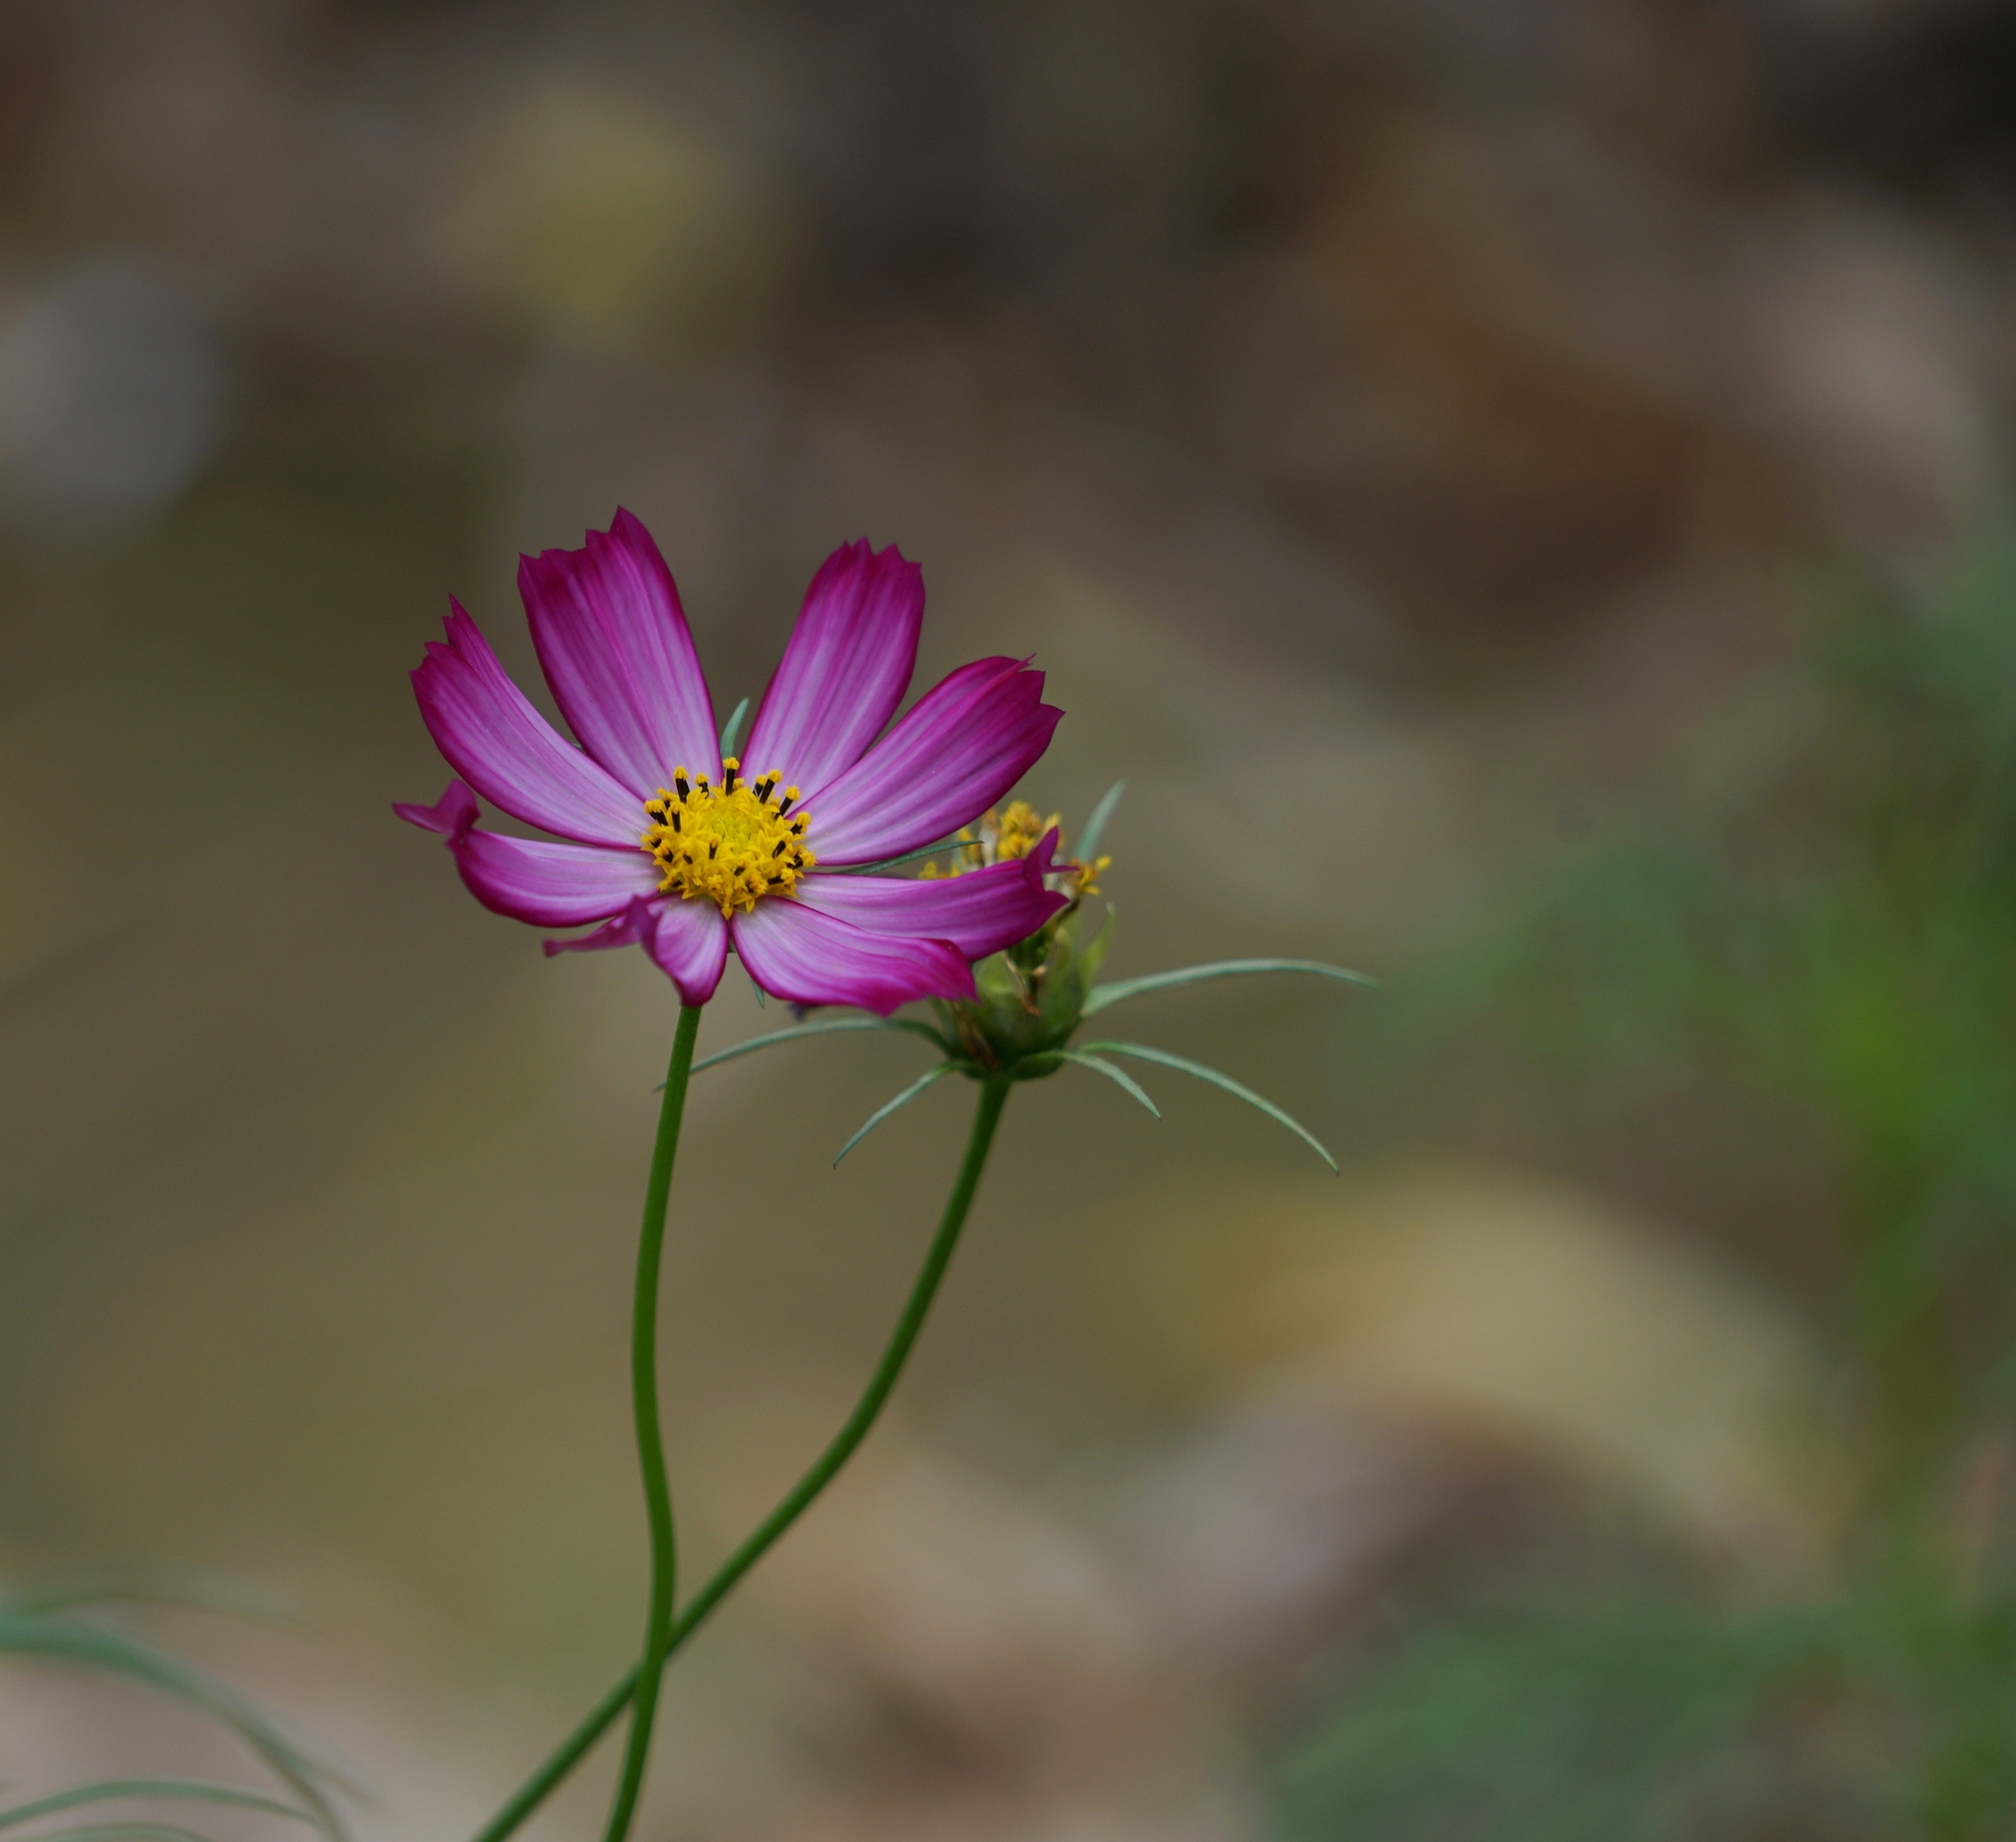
(1515, 487)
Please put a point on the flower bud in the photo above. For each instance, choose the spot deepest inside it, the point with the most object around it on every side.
(1030, 997)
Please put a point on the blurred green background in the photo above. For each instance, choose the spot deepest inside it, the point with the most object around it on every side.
(1515, 489)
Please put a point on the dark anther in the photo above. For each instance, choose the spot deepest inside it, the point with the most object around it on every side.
(680, 783)
(779, 852)
(712, 848)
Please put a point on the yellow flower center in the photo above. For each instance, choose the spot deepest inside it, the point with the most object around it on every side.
(731, 843)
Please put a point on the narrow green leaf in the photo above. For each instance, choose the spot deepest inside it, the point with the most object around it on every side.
(188, 1789)
(118, 1653)
(1087, 847)
(122, 1831)
(1119, 1076)
(1234, 1088)
(907, 1026)
(903, 1099)
(733, 729)
(1103, 995)
(890, 863)
(144, 1585)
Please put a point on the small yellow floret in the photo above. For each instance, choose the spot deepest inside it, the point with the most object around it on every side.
(1003, 837)
(1085, 877)
(731, 844)
(1018, 831)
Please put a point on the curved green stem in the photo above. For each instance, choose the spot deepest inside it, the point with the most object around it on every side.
(993, 1095)
(651, 1445)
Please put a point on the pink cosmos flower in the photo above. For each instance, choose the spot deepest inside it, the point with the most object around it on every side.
(684, 853)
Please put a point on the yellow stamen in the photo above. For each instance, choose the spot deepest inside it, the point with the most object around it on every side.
(1004, 836)
(1018, 831)
(1085, 877)
(731, 844)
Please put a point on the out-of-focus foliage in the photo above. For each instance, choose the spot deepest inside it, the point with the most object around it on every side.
(63, 1621)
(1827, 931)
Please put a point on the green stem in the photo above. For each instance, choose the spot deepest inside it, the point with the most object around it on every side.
(993, 1095)
(651, 1445)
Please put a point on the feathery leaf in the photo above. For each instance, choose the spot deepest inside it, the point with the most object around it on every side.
(1141, 1053)
(118, 1653)
(903, 1099)
(191, 1790)
(1103, 995)
(909, 1026)
(138, 1831)
(1119, 1076)
(145, 1585)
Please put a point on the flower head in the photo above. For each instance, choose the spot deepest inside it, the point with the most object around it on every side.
(674, 847)
(1029, 998)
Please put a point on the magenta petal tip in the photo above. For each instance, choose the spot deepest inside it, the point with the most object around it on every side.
(451, 815)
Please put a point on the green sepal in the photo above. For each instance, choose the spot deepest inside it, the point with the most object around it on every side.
(1092, 955)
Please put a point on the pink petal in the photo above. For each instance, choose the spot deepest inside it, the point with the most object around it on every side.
(507, 751)
(795, 952)
(550, 884)
(979, 912)
(637, 922)
(957, 750)
(451, 815)
(845, 671)
(612, 640)
(688, 941)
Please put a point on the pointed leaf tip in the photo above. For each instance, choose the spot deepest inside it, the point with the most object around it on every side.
(732, 730)
(902, 1100)
(1239, 1090)
(1094, 828)
(1119, 1076)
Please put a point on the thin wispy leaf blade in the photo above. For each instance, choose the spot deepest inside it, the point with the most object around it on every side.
(1118, 1076)
(188, 1790)
(890, 863)
(1103, 995)
(117, 1653)
(123, 1832)
(902, 1100)
(75, 1588)
(1239, 1090)
(733, 729)
(1087, 847)
(906, 1025)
